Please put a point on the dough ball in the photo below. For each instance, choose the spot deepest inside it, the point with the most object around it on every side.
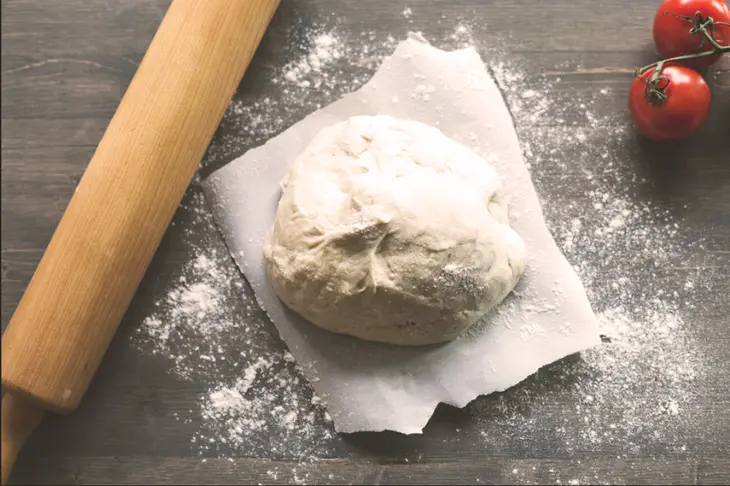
(390, 231)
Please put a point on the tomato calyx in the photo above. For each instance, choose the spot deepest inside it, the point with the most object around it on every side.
(705, 27)
(655, 86)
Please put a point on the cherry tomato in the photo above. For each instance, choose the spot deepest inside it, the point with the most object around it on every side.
(672, 35)
(675, 108)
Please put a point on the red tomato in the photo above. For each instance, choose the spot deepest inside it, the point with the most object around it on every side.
(672, 35)
(683, 110)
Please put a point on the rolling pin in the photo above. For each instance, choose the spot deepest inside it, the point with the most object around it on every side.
(122, 207)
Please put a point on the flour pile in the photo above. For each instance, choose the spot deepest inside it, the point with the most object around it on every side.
(257, 401)
(638, 388)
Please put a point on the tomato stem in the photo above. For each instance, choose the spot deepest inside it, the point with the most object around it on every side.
(685, 57)
(705, 26)
(655, 89)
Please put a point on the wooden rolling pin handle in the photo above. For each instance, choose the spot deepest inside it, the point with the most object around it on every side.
(19, 420)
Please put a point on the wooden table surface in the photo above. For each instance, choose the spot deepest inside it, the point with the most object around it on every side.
(65, 66)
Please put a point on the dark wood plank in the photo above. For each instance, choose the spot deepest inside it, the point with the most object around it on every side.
(162, 470)
(65, 67)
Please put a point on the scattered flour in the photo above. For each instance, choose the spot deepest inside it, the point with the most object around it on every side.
(250, 414)
(637, 389)
(191, 317)
(256, 402)
(326, 49)
(462, 36)
(327, 64)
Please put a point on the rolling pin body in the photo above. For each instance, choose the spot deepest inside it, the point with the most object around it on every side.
(127, 198)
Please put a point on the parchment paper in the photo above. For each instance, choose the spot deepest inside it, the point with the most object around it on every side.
(373, 387)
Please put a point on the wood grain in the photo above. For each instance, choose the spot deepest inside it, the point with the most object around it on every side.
(487, 470)
(66, 66)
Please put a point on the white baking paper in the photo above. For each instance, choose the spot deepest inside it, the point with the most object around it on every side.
(372, 387)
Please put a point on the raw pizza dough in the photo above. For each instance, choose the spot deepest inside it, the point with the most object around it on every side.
(390, 231)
